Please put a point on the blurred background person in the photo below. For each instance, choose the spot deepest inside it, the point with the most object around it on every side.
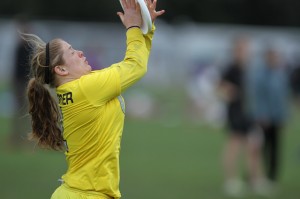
(19, 128)
(242, 134)
(269, 96)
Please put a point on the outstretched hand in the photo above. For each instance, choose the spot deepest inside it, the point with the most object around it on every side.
(132, 13)
(151, 4)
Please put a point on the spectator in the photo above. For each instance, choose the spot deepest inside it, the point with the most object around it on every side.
(269, 92)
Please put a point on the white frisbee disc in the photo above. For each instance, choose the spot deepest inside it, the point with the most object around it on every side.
(147, 22)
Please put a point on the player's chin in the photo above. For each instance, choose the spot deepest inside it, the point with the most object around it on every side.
(89, 68)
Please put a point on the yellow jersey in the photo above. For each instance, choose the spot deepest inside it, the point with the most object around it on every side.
(93, 113)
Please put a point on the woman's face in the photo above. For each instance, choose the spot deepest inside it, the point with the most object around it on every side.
(75, 61)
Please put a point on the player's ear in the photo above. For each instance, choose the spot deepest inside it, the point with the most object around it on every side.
(61, 70)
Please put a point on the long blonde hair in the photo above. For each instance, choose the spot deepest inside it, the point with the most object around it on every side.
(43, 108)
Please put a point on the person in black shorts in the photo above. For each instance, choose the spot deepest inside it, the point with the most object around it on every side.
(242, 133)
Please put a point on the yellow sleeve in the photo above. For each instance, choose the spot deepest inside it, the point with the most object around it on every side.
(134, 65)
(149, 37)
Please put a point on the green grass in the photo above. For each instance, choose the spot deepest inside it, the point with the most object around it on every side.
(158, 161)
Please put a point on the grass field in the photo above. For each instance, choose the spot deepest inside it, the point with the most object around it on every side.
(158, 161)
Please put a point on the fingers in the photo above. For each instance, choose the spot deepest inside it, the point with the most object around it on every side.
(151, 4)
(147, 3)
(138, 7)
(127, 4)
(132, 3)
(124, 4)
(131, 15)
(154, 4)
(121, 15)
(161, 12)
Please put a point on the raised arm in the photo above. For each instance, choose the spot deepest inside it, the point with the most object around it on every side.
(134, 65)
